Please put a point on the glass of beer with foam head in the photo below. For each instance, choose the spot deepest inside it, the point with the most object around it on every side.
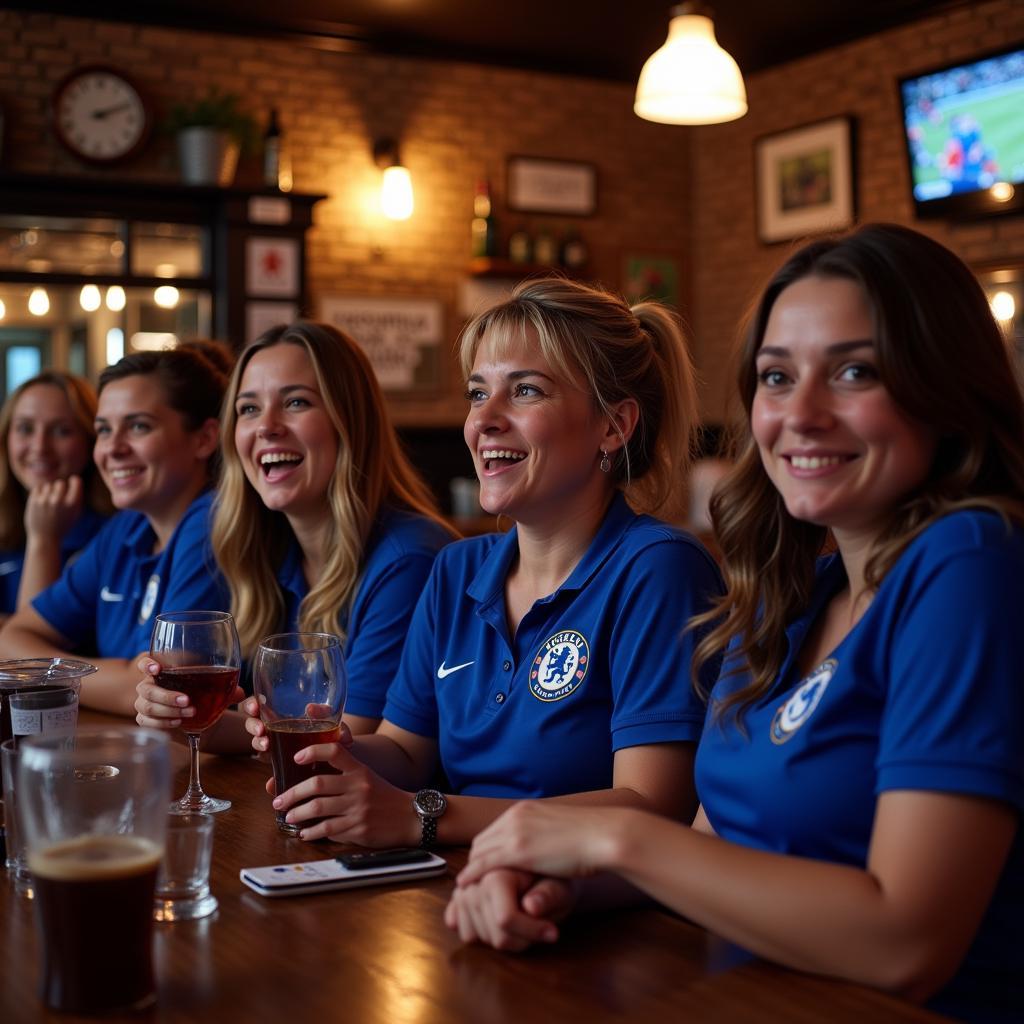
(300, 685)
(93, 819)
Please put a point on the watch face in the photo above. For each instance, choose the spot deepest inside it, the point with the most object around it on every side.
(430, 803)
(99, 115)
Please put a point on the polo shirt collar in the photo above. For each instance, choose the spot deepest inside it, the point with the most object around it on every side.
(488, 585)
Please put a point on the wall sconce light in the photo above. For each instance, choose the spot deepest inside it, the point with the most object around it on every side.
(690, 79)
(396, 200)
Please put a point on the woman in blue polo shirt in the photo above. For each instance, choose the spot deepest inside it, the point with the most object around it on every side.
(862, 772)
(52, 500)
(549, 661)
(321, 522)
(156, 443)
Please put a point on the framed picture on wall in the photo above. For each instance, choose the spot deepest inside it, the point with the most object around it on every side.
(647, 275)
(805, 180)
(540, 185)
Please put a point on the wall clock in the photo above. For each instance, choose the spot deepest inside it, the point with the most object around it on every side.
(100, 116)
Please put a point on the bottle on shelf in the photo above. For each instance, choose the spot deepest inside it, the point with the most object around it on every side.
(520, 245)
(545, 248)
(574, 251)
(277, 170)
(484, 230)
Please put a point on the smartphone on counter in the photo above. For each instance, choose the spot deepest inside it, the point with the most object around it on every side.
(347, 871)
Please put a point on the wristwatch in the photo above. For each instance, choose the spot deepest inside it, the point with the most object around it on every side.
(429, 804)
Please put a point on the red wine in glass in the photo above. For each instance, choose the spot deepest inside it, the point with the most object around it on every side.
(198, 655)
(209, 688)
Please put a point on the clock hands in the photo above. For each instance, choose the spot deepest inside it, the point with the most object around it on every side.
(99, 115)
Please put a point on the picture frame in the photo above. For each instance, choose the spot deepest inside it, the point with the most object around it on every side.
(804, 180)
(537, 184)
(650, 275)
(402, 337)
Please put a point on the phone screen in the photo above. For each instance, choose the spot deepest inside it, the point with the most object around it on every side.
(382, 858)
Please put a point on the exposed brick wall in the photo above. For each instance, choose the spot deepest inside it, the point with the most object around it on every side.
(729, 263)
(688, 193)
(456, 122)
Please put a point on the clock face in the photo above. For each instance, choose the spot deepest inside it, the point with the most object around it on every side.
(99, 115)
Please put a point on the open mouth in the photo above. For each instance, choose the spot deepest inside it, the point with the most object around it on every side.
(277, 464)
(495, 457)
(125, 473)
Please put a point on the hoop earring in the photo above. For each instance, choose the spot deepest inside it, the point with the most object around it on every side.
(605, 464)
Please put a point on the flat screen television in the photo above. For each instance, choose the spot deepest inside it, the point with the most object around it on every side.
(964, 134)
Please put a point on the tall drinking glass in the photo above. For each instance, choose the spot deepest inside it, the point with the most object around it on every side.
(93, 817)
(198, 655)
(300, 685)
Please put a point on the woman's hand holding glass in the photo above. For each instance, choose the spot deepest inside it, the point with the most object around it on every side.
(351, 805)
(159, 708)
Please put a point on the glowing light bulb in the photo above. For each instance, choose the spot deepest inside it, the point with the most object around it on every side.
(115, 345)
(166, 296)
(116, 298)
(39, 302)
(1004, 308)
(89, 298)
(1001, 191)
(3, 309)
(396, 200)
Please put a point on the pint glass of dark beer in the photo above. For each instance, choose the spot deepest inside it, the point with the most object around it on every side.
(93, 817)
(300, 685)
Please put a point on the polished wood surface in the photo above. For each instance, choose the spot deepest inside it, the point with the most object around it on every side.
(383, 956)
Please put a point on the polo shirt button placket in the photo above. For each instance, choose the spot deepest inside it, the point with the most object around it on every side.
(499, 698)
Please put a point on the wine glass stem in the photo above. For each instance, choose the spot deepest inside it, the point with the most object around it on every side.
(194, 794)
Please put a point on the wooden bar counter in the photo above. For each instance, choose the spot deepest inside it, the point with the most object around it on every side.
(382, 955)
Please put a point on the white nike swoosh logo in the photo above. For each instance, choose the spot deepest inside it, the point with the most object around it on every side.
(107, 595)
(6, 568)
(442, 671)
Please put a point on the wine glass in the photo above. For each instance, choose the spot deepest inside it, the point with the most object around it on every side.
(300, 684)
(198, 655)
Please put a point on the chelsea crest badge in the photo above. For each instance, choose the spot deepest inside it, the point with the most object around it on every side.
(802, 703)
(560, 665)
(149, 598)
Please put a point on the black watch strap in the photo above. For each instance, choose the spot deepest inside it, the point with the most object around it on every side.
(429, 837)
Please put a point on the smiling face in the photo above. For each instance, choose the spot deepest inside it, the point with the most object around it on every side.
(535, 437)
(45, 442)
(835, 444)
(284, 437)
(148, 458)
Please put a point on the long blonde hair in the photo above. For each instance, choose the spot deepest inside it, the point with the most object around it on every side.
(82, 400)
(943, 360)
(621, 353)
(250, 541)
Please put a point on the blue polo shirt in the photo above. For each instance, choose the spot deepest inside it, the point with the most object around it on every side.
(397, 561)
(12, 563)
(924, 693)
(105, 601)
(601, 664)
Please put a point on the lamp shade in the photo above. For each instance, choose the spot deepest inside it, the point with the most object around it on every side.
(691, 79)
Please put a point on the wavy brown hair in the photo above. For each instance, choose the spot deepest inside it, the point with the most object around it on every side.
(82, 400)
(942, 358)
(621, 352)
(372, 472)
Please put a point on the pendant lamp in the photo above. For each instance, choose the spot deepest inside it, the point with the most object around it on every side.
(691, 79)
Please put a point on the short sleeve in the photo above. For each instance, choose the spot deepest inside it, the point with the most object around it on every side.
(411, 700)
(652, 650)
(954, 714)
(377, 631)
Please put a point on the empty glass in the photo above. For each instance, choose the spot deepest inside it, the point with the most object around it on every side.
(183, 882)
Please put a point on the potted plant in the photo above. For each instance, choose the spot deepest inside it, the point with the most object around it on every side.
(211, 132)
